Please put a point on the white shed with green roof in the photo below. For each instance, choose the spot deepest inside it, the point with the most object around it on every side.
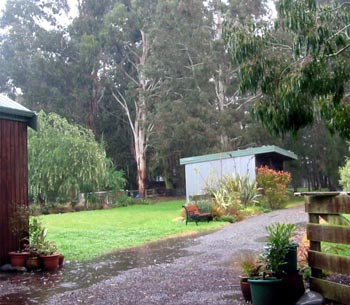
(203, 170)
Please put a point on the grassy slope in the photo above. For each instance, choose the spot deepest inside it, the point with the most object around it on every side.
(88, 234)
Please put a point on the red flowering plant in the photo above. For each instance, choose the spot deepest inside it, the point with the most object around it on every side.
(274, 184)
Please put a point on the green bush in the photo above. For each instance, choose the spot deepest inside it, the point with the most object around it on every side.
(226, 218)
(205, 206)
(124, 201)
(344, 173)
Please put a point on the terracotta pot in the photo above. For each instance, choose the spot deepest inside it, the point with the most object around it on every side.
(32, 263)
(18, 259)
(50, 262)
(245, 287)
(60, 260)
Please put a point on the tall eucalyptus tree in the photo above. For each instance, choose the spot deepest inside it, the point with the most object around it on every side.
(126, 33)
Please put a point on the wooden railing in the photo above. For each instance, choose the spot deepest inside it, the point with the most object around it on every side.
(327, 224)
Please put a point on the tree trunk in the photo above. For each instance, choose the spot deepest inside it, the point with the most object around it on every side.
(220, 86)
(140, 147)
(139, 123)
(96, 97)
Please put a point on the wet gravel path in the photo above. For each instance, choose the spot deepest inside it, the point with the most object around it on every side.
(206, 276)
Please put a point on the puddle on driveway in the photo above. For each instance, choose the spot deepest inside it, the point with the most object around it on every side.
(34, 288)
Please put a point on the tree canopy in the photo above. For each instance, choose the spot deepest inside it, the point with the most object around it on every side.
(298, 67)
(155, 82)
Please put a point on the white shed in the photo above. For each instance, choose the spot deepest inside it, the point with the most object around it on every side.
(203, 170)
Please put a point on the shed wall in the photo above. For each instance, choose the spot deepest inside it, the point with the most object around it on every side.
(198, 175)
(13, 178)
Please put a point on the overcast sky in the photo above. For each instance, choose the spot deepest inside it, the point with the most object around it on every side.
(72, 4)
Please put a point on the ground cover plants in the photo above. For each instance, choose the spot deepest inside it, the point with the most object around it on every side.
(88, 234)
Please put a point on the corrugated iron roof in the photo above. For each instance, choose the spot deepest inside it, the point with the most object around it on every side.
(11, 110)
(241, 153)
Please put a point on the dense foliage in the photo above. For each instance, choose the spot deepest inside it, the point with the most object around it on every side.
(345, 176)
(154, 80)
(65, 159)
(298, 67)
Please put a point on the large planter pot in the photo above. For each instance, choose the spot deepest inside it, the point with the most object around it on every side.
(266, 291)
(50, 262)
(18, 259)
(245, 287)
(291, 259)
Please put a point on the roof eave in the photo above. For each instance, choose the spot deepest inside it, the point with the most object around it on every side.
(240, 153)
(30, 118)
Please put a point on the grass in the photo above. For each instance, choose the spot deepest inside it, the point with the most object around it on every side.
(86, 235)
(334, 248)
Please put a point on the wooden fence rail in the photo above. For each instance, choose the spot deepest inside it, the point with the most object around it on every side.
(328, 224)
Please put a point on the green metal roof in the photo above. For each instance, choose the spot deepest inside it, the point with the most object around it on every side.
(241, 153)
(10, 110)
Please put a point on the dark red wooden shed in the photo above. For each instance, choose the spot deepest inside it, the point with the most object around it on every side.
(14, 120)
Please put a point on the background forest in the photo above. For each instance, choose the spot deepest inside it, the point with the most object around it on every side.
(152, 79)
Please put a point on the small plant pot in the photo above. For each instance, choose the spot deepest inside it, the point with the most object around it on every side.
(266, 291)
(245, 288)
(60, 260)
(32, 263)
(18, 259)
(50, 262)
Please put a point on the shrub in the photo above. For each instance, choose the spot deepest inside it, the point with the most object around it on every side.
(124, 201)
(217, 211)
(248, 191)
(344, 173)
(226, 218)
(205, 206)
(274, 184)
(233, 194)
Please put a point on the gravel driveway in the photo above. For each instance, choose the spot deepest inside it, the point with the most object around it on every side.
(207, 275)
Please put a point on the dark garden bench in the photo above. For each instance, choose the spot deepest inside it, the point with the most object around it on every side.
(193, 213)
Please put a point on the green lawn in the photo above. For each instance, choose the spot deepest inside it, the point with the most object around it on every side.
(85, 235)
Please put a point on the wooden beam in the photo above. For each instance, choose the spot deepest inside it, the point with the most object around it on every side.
(332, 291)
(329, 233)
(336, 219)
(328, 205)
(329, 262)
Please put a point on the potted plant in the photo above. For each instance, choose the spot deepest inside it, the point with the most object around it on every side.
(32, 262)
(268, 289)
(49, 255)
(37, 234)
(280, 253)
(40, 247)
(19, 223)
(251, 267)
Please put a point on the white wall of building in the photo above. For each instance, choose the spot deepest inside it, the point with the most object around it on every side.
(199, 175)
